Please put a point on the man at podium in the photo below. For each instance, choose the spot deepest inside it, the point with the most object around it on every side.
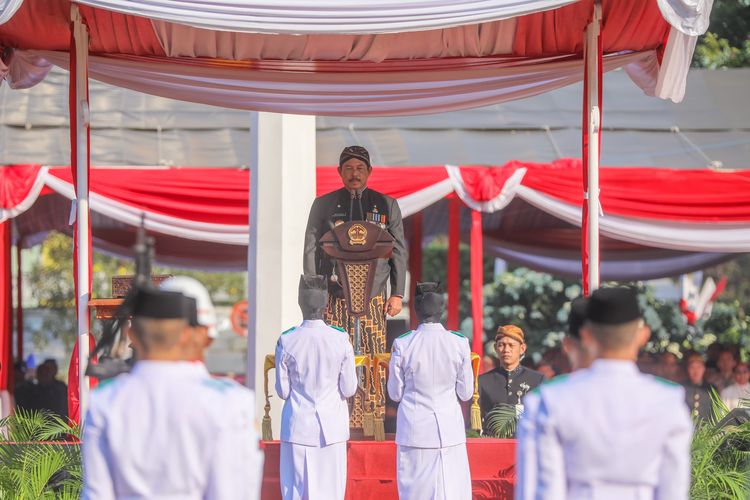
(356, 202)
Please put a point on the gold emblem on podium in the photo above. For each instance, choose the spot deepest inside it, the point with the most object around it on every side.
(357, 234)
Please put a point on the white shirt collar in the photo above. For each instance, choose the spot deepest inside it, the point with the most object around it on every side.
(614, 366)
(308, 323)
(147, 367)
(430, 326)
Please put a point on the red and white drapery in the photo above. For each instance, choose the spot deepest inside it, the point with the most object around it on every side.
(439, 55)
(688, 210)
(125, 30)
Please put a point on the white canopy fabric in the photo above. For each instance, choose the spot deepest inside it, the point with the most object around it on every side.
(8, 8)
(458, 84)
(326, 16)
(363, 16)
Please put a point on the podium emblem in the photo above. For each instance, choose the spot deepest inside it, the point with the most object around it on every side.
(357, 234)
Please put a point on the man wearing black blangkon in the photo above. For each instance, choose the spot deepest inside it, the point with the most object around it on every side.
(357, 202)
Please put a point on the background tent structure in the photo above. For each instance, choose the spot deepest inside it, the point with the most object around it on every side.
(350, 59)
(131, 128)
(199, 216)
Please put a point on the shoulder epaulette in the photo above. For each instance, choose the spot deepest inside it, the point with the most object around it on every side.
(218, 384)
(555, 379)
(103, 384)
(666, 382)
(337, 328)
(406, 334)
(459, 334)
(289, 330)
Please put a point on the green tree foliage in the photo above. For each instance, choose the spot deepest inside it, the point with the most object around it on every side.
(714, 53)
(536, 302)
(435, 263)
(726, 44)
(51, 283)
(539, 303)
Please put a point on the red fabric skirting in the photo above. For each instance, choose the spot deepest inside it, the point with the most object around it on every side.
(372, 469)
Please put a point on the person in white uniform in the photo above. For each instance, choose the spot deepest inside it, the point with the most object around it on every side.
(315, 374)
(607, 432)
(167, 429)
(526, 450)
(204, 322)
(429, 372)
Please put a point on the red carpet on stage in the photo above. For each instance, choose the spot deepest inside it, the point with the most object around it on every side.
(372, 469)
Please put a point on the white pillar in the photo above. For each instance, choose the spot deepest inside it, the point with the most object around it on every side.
(282, 178)
(82, 201)
(594, 121)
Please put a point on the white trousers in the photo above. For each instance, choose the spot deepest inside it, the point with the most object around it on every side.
(313, 472)
(434, 473)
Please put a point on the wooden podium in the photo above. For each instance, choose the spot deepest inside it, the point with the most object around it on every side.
(105, 309)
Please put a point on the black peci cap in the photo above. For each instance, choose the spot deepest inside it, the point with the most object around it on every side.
(427, 287)
(613, 306)
(577, 316)
(429, 302)
(313, 292)
(159, 304)
(357, 152)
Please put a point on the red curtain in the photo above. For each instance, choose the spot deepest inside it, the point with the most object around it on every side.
(19, 303)
(74, 401)
(477, 284)
(454, 261)
(6, 309)
(415, 263)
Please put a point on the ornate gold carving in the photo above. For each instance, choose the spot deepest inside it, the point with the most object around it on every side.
(357, 234)
(357, 276)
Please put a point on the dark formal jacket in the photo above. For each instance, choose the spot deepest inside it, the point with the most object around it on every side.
(500, 386)
(698, 399)
(329, 209)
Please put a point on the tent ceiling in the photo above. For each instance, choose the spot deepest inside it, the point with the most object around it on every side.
(126, 127)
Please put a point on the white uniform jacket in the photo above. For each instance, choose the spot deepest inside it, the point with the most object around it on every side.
(169, 430)
(315, 374)
(608, 432)
(430, 370)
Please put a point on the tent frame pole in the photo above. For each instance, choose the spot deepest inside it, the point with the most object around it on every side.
(252, 252)
(81, 37)
(593, 75)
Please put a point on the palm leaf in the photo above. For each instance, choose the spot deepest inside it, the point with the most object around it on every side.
(720, 458)
(501, 421)
(34, 468)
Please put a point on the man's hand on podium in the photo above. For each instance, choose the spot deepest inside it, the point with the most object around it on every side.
(393, 305)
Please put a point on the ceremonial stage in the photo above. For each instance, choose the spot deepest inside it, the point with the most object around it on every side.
(372, 469)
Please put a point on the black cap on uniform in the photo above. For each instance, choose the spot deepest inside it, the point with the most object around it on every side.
(313, 295)
(577, 316)
(613, 306)
(158, 304)
(357, 152)
(429, 302)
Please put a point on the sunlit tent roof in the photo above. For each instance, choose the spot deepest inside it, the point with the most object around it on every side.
(131, 128)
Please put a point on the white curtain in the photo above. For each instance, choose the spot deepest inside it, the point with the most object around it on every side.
(414, 87)
(687, 16)
(160, 223)
(326, 16)
(619, 266)
(24, 69)
(690, 237)
(8, 8)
